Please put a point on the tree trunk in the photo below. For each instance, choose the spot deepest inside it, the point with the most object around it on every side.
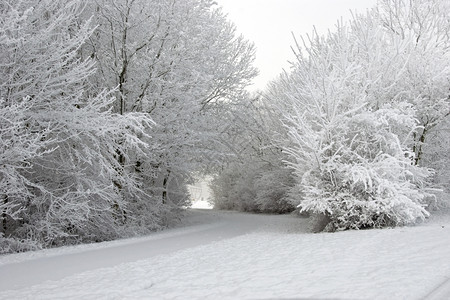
(4, 215)
(119, 213)
(418, 146)
(165, 182)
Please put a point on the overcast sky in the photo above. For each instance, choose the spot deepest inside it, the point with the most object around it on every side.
(269, 23)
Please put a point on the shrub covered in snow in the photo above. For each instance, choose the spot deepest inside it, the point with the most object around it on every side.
(365, 178)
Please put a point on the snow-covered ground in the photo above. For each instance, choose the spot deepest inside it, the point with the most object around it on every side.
(201, 204)
(226, 255)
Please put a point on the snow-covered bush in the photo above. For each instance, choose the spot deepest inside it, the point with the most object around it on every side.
(366, 178)
(253, 186)
(233, 189)
(272, 185)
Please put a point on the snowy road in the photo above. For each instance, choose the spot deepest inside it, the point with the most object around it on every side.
(57, 263)
(52, 267)
(241, 256)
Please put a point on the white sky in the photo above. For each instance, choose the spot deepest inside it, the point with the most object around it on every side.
(269, 23)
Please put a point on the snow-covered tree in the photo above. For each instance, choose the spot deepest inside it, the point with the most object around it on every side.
(59, 168)
(180, 62)
(424, 27)
(435, 155)
(356, 105)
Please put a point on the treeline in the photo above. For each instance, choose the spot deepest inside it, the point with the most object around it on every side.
(356, 133)
(107, 108)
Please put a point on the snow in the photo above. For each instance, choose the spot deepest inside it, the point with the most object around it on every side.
(200, 193)
(201, 204)
(229, 255)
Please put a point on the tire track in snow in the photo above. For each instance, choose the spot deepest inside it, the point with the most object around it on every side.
(442, 291)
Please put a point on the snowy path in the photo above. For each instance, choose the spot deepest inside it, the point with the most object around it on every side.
(53, 267)
(241, 256)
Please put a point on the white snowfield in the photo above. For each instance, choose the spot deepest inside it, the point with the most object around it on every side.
(241, 256)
